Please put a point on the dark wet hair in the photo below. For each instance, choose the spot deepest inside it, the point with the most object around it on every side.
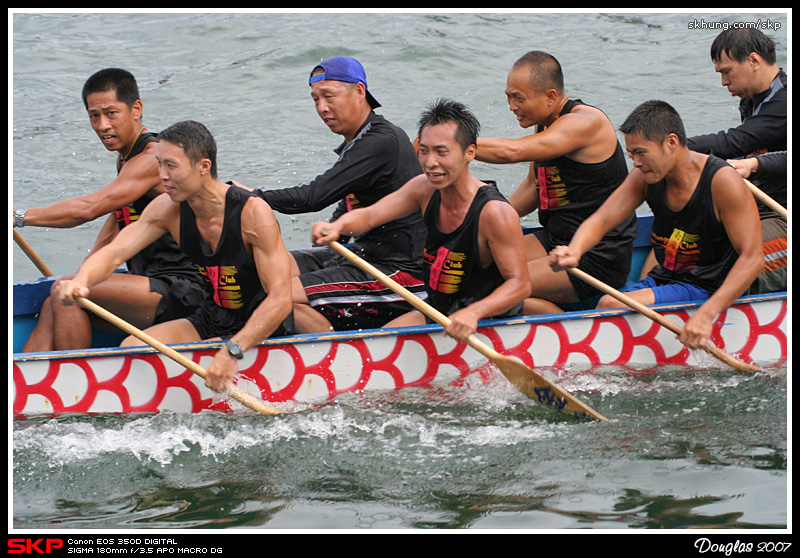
(195, 140)
(738, 43)
(112, 79)
(655, 120)
(443, 111)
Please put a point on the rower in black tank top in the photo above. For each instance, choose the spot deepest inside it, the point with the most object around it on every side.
(455, 276)
(172, 275)
(162, 257)
(569, 192)
(231, 276)
(691, 245)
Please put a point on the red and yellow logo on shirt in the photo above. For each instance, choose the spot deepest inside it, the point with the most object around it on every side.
(681, 250)
(446, 271)
(552, 190)
(227, 291)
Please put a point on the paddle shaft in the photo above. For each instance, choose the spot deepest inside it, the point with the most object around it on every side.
(658, 318)
(37, 261)
(531, 383)
(244, 398)
(409, 297)
(772, 204)
(252, 402)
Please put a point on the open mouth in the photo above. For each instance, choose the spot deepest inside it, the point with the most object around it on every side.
(436, 178)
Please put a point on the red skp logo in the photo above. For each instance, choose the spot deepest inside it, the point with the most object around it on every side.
(31, 546)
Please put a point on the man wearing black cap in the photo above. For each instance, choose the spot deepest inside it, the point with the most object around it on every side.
(375, 159)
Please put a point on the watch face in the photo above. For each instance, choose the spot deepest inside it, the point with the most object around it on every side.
(234, 349)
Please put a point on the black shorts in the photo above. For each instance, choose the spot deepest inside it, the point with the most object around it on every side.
(607, 261)
(180, 297)
(349, 297)
(212, 321)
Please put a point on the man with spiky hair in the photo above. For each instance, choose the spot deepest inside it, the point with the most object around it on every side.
(474, 253)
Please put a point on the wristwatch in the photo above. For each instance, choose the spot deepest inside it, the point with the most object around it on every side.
(234, 349)
(19, 217)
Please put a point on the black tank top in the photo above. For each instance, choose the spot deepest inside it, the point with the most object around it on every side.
(229, 270)
(569, 192)
(162, 257)
(131, 212)
(691, 245)
(455, 276)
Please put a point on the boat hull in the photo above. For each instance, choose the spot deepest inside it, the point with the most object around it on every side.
(310, 368)
(315, 368)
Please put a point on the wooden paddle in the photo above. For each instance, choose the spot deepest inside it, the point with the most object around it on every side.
(37, 261)
(244, 398)
(250, 401)
(658, 318)
(528, 381)
(758, 193)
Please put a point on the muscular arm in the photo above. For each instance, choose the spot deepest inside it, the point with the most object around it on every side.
(619, 205)
(261, 234)
(525, 199)
(413, 196)
(107, 233)
(502, 242)
(585, 134)
(160, 216)
(737, 211)
(138, 177)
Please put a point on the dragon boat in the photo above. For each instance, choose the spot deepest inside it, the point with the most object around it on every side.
(314, 368)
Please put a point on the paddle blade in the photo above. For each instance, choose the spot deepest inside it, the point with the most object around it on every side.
(538, 388)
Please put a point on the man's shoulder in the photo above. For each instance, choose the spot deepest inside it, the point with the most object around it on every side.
(378, 124)
(381, 138)
(496, 206)
(253, 205)
(146, 155)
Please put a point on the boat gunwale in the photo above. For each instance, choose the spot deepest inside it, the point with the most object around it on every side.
(354, 335)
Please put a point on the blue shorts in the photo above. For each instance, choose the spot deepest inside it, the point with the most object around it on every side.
(670, 292)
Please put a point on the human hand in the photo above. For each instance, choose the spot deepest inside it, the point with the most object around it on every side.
(697, 331)
(463, 323)
(323, 233)
(221, 371)
(65, 290)
(562, 257)
(745, 167)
